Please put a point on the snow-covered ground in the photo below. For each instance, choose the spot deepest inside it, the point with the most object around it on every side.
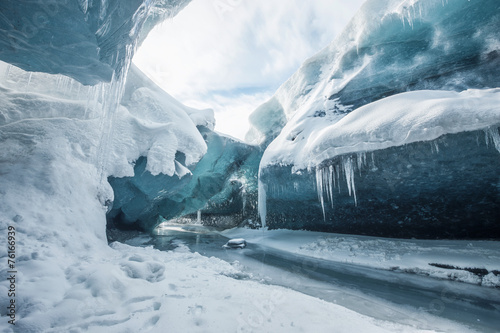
(134, 289)
(475, 262)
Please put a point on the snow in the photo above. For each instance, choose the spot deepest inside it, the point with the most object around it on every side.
(71, 281)
(151, 124)
(393, 121)
(219, 183)
(235, 243)
(401, 255)
(51, 188)
(134, 289)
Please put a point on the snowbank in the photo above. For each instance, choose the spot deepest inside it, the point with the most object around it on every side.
(52, 191)
(393, 121)
(151, 124)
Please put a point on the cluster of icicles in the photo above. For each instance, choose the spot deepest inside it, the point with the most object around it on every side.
(328, 178)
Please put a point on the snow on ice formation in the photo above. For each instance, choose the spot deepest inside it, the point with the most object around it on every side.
(393, 121)
(52, 191)
(389, 47)
(221, 183)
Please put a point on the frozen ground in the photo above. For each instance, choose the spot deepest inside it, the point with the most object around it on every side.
(475, 262)
(139, 289)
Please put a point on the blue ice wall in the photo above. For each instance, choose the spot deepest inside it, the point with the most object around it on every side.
(436, 45)
(446, 188)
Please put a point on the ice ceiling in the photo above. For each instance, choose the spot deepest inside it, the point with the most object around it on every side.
(85, 40)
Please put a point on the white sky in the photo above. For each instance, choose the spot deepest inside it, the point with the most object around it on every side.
(232, 55)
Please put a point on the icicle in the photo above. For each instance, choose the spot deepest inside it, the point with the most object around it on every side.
(436, 147)
(338, 176)
(319, 189)
(349, 176)
(334, 179)
(492, 135)
(361, 160)
(198, 217)
(329, 182)
(58, 81)
(71, 82)
(110, 97)
(262, 202)
(327, 179)
(244, 196)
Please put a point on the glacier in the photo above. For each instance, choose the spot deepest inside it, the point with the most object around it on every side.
(392, 130)
(404, 79)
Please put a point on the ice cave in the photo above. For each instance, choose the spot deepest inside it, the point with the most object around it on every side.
(365, 196)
